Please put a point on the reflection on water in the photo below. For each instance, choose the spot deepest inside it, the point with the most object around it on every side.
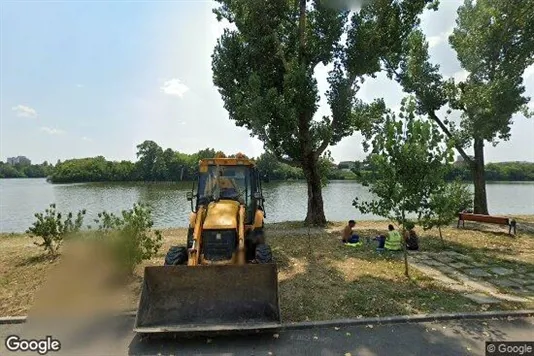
(21, 198)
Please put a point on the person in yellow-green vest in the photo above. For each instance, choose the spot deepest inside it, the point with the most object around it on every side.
(390, 242)
(393, 240)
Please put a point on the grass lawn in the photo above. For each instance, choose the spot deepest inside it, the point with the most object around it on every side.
(319, 278)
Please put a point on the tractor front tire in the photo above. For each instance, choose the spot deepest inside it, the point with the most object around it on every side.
(177, 255)
(264, 254)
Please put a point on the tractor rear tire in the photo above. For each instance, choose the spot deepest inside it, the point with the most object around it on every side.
(264, 254)
(177, 255)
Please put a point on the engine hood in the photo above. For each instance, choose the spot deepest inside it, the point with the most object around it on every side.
(221, 215)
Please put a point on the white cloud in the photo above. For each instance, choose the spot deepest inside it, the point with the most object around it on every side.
(174, 87)
(24, 111)
(87, 139)
(529, 72)
(52, 131)
(460, 76)
(443, 37)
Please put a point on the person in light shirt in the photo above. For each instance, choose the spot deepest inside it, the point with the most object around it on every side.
(348, 235)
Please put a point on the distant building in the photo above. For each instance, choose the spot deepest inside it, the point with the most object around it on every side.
(18, 160)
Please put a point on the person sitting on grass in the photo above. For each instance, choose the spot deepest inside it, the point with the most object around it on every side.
(410, 238)
(391, 242)
(348, 236)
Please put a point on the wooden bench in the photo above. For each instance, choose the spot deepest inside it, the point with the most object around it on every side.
(500, 220)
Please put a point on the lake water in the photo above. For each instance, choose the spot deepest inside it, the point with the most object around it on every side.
(20, 199)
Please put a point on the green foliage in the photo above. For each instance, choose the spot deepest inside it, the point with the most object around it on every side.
(182, 166)
(25, 170)
(494, 42)
(53, 229)
(151, 163)
(96, 169)
(270, 168)
(445, 203)
(410, 158)
(496, 172)
(501, 171)
(130, 236)
(154, 164)
(276, 96)
(326, 167)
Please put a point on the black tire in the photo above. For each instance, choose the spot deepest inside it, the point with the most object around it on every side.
(264, 254)
(177, 255)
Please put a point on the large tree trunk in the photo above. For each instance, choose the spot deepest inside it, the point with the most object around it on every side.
(315, 215)
(479, 180)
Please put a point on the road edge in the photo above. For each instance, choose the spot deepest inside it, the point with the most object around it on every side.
(397, 319)
(353, 321)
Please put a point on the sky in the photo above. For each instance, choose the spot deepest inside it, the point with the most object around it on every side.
(88, 78)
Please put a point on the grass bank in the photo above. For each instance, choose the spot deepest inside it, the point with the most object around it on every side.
(319, 278)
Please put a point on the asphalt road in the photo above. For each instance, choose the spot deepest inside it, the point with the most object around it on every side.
(438, 338)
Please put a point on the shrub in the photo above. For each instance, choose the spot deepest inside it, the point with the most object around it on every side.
(53, 230)
(130, 236)
(445, 204)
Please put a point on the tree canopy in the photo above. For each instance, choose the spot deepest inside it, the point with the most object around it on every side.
(494, 42)
(25, 170)
(410, 155)
(180, 166)
(264, 69)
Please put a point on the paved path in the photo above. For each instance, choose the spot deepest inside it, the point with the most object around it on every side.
(441, 338)
(480, 282)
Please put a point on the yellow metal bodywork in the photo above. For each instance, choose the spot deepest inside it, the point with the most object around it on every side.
(204, 163)
(258, 219)
(193, 258)
(241, 236)
(215, 295)
(192, 219)
(221, 215)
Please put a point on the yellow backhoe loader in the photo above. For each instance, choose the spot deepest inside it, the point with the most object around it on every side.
(225, 278)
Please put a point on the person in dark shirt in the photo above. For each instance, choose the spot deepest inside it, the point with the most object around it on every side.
(410, 237)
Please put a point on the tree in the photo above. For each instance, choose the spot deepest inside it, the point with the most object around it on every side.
(410, 158)
(264, 69)
(444, 205)
(150, 161)
(494, 42)
(8, 171)
(267, 164)
(172, 166)
(93, 169)
(206, 153)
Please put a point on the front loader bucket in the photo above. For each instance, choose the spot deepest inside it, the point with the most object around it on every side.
(208, 299)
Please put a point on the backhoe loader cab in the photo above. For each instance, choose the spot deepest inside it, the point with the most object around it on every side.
(228, 187)
(224, 279)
